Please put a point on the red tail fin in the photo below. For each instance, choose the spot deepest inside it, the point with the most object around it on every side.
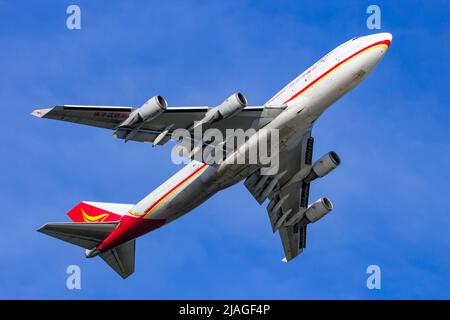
(98, 211)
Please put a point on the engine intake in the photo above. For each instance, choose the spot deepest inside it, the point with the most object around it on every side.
(231, 106)
(323, 166)
(318, 209)
(149, 110)
(152, 108)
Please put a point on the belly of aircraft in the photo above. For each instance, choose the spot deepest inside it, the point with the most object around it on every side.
(303, 112)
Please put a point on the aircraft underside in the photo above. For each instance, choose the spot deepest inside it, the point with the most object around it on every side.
(284, 124)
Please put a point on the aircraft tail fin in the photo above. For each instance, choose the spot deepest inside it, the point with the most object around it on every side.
(88, 236)
(87, 211)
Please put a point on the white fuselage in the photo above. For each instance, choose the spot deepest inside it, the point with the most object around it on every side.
(302, 101)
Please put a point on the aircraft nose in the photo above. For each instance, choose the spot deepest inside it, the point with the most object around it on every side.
(387, 37)
(377, 45)
(384, 37)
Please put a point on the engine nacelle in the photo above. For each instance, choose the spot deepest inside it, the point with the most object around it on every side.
(149, 110)
(152, 108)
(318, 209)
(232, 105)
(323, 166)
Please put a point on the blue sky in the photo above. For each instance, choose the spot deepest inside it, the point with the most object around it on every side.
(391, 193)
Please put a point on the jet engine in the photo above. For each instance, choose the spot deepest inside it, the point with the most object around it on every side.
(232, 105)
(318, 209)
(323, 166)
(149, 110)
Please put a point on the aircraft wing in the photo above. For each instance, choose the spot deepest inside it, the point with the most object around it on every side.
(288, 200)
(154, 131)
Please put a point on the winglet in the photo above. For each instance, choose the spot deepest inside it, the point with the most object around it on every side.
(284, 260)
(40, 113)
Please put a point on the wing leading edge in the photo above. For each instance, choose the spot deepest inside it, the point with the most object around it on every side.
(158, 129)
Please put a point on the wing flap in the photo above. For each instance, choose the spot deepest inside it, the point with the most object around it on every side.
(287, 199)
(293, 239)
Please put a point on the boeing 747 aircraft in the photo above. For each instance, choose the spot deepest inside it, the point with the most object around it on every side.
(109, 230)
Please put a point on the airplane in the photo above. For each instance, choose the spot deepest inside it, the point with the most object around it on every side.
(109, 230)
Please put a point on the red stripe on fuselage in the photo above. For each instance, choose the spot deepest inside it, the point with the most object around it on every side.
(386, 42)
(129, 228)
(132, 227)
(171, 190)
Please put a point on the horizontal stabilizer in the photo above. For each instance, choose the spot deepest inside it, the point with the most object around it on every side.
(89, 235)
(121, 258)
(85, 235)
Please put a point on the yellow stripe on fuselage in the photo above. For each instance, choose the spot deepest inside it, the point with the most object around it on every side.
(158, 202)
(340, 65)
(175, 190)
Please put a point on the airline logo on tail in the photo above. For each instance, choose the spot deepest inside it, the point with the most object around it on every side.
(98, 218)
(90, 212)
